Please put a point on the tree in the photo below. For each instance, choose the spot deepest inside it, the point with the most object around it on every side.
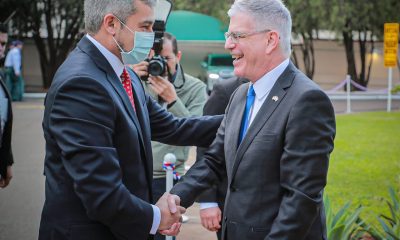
(54, 25)
(360, 22)
(307, 17)
(217, 9)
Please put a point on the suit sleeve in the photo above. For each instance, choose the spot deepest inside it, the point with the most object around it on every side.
(205, 173)
(215, 104)
(304, 165)
(193, 131)
(82, 122)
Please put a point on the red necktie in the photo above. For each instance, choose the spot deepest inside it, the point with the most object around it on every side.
(127, 83)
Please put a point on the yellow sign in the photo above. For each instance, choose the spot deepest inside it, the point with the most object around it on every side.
(391, 39)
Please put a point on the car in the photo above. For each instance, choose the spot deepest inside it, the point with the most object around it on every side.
(216, 67)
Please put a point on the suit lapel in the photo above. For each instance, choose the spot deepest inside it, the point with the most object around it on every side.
(87, 46)
(272, 101)
(138, 95)
(236, 114)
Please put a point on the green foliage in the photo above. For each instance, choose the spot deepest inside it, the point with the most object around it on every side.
(365, 161)
(396, 89)
(389, 228)
(217, 9)
(54, 25)
(343, 225)
(360, 22)
(307, 18)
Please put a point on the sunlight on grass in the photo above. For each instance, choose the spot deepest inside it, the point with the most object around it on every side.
(365, 161)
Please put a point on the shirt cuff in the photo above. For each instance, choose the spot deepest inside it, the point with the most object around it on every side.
(156, 219)
(205, 205)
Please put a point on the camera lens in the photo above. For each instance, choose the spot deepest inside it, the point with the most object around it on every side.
(156, 66)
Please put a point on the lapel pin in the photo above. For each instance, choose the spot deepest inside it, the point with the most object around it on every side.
(275, 98)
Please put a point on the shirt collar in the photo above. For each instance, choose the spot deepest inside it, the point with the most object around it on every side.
(114, 61)
(264, 85)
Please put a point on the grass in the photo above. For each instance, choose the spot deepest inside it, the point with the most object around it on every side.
(365, 162)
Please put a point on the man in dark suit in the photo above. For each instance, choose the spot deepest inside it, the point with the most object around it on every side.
(212, 200)
(276, 137)
(98, 123)
(6, 156)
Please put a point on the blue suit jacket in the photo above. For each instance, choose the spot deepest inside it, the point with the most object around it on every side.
(98, 163)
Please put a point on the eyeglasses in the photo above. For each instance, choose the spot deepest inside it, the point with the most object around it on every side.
(235, 36)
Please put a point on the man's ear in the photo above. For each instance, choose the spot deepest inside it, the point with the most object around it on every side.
(272, 41)
(179, 56)
(111, 23)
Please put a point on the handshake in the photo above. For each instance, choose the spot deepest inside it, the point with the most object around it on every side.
(171, 214)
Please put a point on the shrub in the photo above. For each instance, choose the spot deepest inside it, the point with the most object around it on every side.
(345, 224)
(389, 225)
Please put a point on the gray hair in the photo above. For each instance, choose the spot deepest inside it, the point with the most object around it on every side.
(95, 10)
(267, 14)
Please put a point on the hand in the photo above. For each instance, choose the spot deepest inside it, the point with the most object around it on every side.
(5, 181)
(171, 212)
(140, 69)
(173, 231)
(163, 88)
(211, 218)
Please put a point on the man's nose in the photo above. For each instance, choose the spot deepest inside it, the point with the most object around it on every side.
(229, 44)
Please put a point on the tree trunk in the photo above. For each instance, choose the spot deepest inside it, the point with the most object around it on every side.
(294, 57)
(351, 63)
(308, 54)
(362, 42)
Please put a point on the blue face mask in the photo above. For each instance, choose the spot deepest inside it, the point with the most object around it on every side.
(142, 44)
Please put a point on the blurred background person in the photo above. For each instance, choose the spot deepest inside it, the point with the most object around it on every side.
(13, 64)
(182, 95)
(6, 157)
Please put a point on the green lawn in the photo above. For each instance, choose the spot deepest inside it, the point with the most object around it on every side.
(365, 161)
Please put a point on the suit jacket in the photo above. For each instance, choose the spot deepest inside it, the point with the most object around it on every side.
(98, 163)
(215, 105)
(6, 156)
(277, 174)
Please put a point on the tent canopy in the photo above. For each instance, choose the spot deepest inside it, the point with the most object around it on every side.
(186, 25)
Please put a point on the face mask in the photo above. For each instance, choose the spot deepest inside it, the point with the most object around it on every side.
(142, 45)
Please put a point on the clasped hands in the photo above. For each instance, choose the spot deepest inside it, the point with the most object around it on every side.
(171, 214)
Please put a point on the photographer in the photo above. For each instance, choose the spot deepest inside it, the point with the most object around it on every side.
(182, 95)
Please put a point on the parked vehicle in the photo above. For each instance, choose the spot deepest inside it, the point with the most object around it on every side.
(216, 67)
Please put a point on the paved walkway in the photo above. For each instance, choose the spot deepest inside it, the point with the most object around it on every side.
(21, 202)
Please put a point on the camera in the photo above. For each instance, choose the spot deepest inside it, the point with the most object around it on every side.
(158, 64)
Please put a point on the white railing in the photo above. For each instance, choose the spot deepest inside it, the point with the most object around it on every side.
(363, 93)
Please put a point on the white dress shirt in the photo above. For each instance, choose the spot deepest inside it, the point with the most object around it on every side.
(118, 67)
(262, 87)
(13, 59)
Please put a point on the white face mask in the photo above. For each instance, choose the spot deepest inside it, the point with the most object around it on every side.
(142, 44)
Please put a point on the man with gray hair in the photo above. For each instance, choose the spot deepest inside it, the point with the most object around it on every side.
(275, 140)
(98, 125)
